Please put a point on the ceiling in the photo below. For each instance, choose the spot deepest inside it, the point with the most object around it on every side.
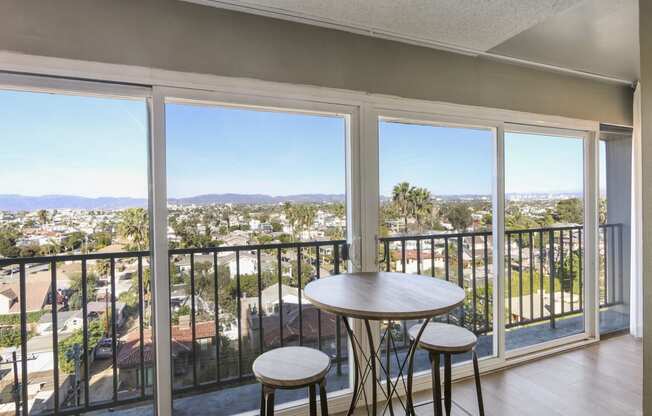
(592, 37)
(596, 36)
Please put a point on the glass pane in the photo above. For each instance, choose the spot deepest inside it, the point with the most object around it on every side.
(73, 225)
(614, 236)
(436, 219)
(256, 211)
(544, 217)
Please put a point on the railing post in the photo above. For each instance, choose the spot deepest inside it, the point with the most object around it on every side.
(551, 257)
(460, 275)
(338, 325)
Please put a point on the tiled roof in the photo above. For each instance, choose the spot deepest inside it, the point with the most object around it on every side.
(129, 354)
(38, 287)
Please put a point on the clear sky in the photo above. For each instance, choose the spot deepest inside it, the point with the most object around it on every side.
(444, 160)
(227, 150)
(69, 145)
(535, 163)
(87, 146)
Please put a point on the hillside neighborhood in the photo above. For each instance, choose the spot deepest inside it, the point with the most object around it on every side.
(225, 303)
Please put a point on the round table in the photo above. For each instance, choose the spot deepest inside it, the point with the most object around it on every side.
(381, 296)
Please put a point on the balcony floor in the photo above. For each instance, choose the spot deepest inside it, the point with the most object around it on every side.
(602, 379)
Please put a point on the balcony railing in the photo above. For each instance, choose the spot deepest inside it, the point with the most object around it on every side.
(217, 339)
(536, 258)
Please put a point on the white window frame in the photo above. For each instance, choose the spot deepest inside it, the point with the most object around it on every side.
(590, 230)
(154, 84)
(279, 103)
(585, 131)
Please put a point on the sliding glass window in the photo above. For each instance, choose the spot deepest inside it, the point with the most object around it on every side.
(74, 259)
(436, 220)
(544, 237)
(256, 210)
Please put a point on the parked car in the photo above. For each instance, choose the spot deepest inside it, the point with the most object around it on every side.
(104, 349)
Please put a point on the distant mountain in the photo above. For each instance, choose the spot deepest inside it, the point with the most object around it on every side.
(32, 203)
(256, 199)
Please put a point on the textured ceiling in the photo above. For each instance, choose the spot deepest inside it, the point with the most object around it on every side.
(597, 36)
(471, 25)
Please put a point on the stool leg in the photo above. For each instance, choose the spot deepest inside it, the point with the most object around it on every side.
(262, 401)
(478, 389)
(447, 383)
(436, 382)
(322, 398)
(268, 392)
(313, 400)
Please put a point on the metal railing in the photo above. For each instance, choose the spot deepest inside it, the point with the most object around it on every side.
(73, 391)
(217, 330)
(537, 260)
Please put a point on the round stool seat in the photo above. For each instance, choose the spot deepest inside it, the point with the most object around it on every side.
(290, 367)
(445, 338)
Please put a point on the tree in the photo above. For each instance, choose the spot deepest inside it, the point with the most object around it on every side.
(459, 216)
(103, 268)
(184, 310)
(75, 298)
(134, 226)
(338, 209)
(30, 250)
(401, 199)
(570, 211)
(42, 217)
(306, 214)
(291, 215)
(74, 241)
(9, 235)
(101, 239)
(420, 203)
(95, 334)
(9, 336)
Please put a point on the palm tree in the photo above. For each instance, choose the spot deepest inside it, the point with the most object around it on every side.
(307, 214)
(42, 217)
(226, 216)
(421, 204)
(134, 227)
(401, 198)
(292, 216)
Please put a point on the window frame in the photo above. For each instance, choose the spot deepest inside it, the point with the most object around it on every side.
(111, 80)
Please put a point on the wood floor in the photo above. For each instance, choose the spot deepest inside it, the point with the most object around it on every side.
(600, 380)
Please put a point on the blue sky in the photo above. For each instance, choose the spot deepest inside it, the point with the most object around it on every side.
(69, 145)
(87, 146)
(226, 150)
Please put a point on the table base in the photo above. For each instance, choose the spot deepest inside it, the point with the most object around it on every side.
(371, 365)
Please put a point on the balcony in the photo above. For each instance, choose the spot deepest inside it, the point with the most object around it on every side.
(100, 355)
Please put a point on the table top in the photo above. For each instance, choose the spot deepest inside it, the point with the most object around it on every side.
(384, 295)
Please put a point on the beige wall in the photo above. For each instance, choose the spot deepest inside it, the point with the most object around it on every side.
(175, 35)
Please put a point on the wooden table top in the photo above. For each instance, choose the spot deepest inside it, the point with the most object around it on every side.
(384, 295)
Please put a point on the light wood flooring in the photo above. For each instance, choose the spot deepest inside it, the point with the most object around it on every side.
(603, 379)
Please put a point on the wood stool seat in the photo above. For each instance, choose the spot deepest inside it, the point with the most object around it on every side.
(445, 338)
(292, 368)
(439, 338)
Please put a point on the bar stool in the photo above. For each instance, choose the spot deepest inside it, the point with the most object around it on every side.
(292, 368)
(439, 338)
